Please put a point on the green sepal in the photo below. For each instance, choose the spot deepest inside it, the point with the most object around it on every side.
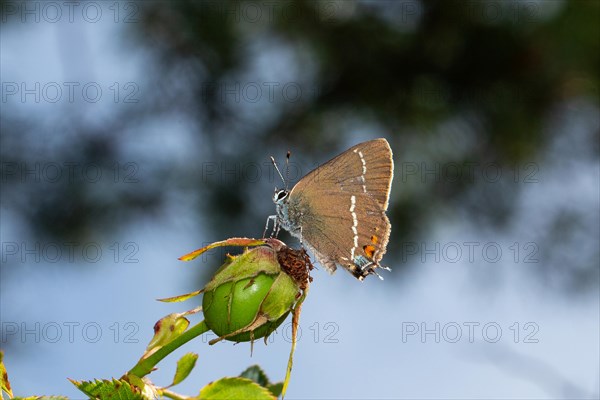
(247, 265)
(240, 242)
(181, 297)
(166, 329)
(285, 289)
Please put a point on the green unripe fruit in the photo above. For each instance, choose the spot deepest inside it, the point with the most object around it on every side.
(233, 306)
(250, 295)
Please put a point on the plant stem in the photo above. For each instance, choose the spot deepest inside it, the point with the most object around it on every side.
(174, 396)
(146, 365)
(295, 323)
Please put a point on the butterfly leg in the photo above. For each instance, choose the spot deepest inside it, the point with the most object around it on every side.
(269, 218)
(275, 230)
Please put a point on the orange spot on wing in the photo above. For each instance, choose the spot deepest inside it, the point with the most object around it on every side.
(369, 250)
(374, 239)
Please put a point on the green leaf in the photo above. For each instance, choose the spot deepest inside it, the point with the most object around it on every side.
(113, 389)
(256, 374)
(4, 383)
(184, 367)
(235, 388)
(41, 398)
(276, 388)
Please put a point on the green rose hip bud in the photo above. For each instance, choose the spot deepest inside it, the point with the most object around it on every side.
(254, 292)
(242, 304)
(249, 296)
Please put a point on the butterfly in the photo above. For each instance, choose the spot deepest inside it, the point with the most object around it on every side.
(338, 210)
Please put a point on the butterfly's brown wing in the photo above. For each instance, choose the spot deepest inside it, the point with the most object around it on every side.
(367, 167)
(341, 207)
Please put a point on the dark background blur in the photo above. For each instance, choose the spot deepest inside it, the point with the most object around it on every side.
(491, 109)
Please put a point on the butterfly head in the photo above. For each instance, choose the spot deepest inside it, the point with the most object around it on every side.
(280, 196)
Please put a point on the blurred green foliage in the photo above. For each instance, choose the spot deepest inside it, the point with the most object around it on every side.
(444, 81)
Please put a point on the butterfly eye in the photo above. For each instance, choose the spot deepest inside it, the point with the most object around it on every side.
(282, 194)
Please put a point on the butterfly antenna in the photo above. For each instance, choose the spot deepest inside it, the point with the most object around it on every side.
(287, 169)
(278, 171)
